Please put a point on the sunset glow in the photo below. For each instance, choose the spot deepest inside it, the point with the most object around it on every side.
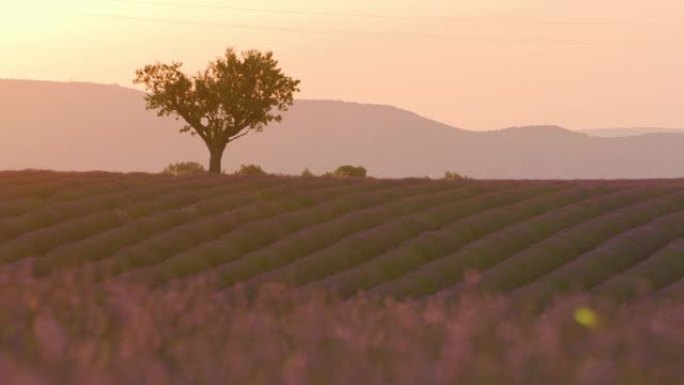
(478, 64)
(312, 191)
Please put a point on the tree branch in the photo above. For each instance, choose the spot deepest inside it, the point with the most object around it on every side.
(199, 128)
(239, 136)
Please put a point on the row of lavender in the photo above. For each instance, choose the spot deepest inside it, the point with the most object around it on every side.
(401, 237)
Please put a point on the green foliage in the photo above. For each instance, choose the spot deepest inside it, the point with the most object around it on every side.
(449, 175)
(181, 168)
(234, 95)
(349, 171)
(251, 169)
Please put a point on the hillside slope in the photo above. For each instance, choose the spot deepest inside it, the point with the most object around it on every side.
(75, 126)
(410, 237)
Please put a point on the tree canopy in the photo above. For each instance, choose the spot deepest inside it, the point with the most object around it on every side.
(235, 95)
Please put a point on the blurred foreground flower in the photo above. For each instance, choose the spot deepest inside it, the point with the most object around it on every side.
(586, 317)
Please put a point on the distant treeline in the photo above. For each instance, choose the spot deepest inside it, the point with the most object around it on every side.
(344, 171)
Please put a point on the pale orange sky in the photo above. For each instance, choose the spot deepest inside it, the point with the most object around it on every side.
(477, 64)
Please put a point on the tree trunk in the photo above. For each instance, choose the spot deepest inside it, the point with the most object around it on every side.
(215, 155)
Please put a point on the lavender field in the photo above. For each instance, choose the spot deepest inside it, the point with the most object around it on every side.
(409, 238)
(154, 279)
(62, 331)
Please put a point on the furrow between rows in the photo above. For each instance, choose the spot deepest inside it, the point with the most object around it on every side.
(322, 236)
(261, 234)
(70, 191)
(61, 213)
(615, 255)
(495, 231)
(163, 245)
(366, 245)
(500, 269)
(149, 219)
(658, 271)
(584, 242)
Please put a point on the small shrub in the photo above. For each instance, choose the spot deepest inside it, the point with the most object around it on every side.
(349, 171)
(181, 168)
(449, 175)
(251, 169)
(307, 173)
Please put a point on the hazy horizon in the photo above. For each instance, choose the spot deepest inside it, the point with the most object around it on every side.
(86, 127)
(482, 64)
(593, 131)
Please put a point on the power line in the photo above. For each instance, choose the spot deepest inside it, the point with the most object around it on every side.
(268, 28)
(585, 22)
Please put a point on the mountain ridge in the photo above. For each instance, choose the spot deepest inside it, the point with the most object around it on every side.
(85, 126)
(630, 131)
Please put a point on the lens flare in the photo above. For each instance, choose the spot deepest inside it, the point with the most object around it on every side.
(586, 317)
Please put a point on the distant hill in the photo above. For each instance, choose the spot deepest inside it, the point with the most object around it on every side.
(635, 131)
(80, 126)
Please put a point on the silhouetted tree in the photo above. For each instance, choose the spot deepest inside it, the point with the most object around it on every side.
(234, 95)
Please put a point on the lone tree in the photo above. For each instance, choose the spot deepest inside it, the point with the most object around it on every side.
(234, 95)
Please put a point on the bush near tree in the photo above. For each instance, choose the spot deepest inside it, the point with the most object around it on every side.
(307, 173)
(349, 171)
(449, 175)
(181, 168)
(251, 169)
